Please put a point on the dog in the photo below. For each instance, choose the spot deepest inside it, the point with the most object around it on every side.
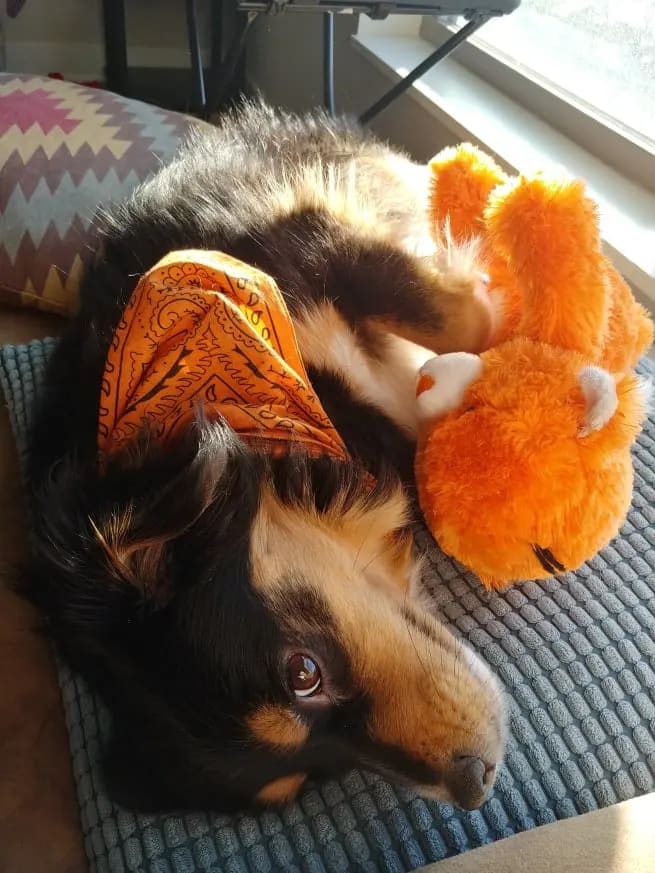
(254, 619)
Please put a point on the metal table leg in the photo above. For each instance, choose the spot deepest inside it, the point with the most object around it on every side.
(439, 54)
(222, 75)
(328, 61)
(221, 78)
(113, 14)
(225, 74)
(197, 72)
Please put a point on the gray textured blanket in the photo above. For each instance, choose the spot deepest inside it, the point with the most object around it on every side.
(576, 654)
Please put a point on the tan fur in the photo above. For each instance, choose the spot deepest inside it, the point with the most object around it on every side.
(364, 540)
(136, 559)
(282, 790)
(430, 696)
(466, 318)
(137, 563)
(386, 381)
(358, 193)
(275, 726)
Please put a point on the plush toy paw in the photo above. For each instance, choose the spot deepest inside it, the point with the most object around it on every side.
(462, 180)
(558, 223)
(443, 381)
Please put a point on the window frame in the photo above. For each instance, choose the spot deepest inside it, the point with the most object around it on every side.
(580, 122)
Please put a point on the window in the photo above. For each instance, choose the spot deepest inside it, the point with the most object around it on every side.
(558, 83)
(588, 68)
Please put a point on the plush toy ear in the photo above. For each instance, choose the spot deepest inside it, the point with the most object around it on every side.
(443, 381)
(462, 179)
(601, 399)
(547, 230)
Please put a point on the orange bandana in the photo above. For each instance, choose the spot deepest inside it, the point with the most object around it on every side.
(205, 330)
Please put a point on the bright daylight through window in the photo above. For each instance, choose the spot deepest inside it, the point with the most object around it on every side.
(600, 55)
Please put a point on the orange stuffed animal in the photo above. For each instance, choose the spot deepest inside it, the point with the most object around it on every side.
(523, 467)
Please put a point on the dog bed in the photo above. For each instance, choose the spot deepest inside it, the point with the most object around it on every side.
(576, 655)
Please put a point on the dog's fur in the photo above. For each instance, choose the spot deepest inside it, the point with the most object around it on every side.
(180, 580)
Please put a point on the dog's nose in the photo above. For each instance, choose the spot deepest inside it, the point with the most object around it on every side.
(470, 779)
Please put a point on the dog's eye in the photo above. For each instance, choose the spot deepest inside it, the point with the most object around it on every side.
(303, 674)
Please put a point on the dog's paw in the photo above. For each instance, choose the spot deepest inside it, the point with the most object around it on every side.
(468, 311)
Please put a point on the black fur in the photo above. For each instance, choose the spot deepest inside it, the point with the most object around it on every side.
(210, 197)
(174, 636)
(169, 655)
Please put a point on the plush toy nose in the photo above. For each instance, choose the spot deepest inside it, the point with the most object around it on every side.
(470, 779)
(424, 383)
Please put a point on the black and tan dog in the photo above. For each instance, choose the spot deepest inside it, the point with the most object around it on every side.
(251, 619)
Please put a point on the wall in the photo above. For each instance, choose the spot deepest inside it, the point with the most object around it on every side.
(295, 79)
(66, 35)
(284, 59)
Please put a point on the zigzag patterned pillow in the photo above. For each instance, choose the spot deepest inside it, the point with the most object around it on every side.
(64, 151)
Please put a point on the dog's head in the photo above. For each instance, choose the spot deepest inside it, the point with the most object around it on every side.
(251, 622)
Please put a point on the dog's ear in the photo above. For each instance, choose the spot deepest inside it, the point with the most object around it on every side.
(149, 507)
(105, 546)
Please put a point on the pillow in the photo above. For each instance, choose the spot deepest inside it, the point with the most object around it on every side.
(64, 151)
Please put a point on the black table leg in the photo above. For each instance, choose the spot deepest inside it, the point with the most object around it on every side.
(230, 29)
(197, 73)
(113, 13)
(217, 39)
(438, 55)
(328, 62)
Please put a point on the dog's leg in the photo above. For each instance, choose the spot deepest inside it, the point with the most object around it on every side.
(376, 314)
(374, 285)
(441, 308)
(375, 367)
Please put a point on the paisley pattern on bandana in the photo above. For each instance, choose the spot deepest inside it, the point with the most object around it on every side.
(204, 331)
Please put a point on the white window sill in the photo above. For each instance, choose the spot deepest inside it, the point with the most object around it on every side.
(473, 110)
